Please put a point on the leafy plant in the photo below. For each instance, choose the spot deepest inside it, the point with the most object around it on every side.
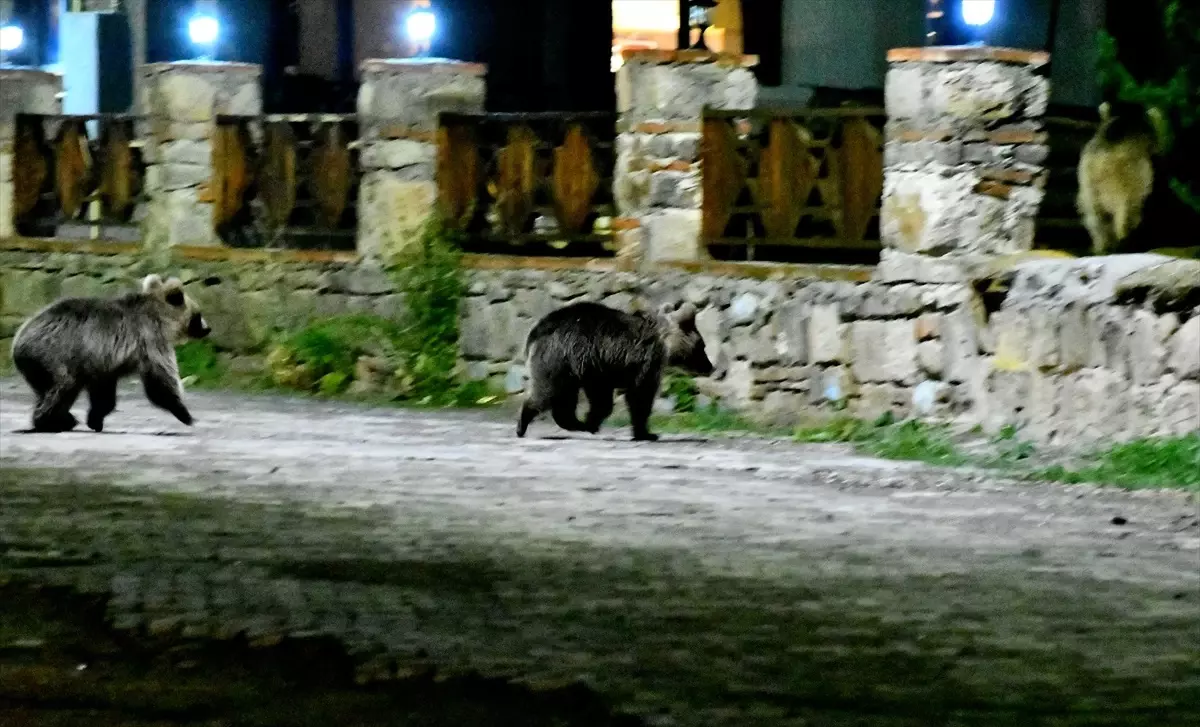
(198, 363)
(1176, 94)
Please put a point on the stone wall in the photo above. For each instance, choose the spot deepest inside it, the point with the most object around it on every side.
(1078, 351)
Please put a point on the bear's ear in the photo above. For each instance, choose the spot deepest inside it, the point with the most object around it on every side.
(151, 283)
(1105, 111)
(686, 315)
(172, 291)
(667, 309)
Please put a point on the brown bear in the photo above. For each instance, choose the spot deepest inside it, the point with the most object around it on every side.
(92, 343)
(597, 349)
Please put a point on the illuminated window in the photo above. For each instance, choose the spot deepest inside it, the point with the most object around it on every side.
(654, 24)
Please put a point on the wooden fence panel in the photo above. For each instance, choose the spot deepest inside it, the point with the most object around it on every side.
(286, 181)
(76, 175)
(795, 187)
(533, 184)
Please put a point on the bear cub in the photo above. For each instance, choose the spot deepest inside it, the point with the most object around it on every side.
(598, 349)
(92, 343)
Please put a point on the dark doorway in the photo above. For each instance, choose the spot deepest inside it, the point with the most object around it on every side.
(542, 55)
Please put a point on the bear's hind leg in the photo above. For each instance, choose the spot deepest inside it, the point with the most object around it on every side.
(640, 400)
(562, 408)
(600, 407)
(102, 396)
(53, 410)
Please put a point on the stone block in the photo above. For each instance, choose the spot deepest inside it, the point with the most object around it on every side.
(826, 335)
(834, 385)
(905, 91)
(1179, 412)
(1075, 343)
(1013, 338)
(411, 93)
(1147, 348)
(681, 91)
(931, 356)
(1184, 347)
(976, 92)
(783, 407)
(711, 324)
(672, 235)
(27, 91)
(491, 332)
(672, 189)
(755, 346)
(185, 151)
(174, 177)
(901, 267)
(1007, 399)
(392, 213)
(960, 336)
(930, 398)
(792, 340)
(923, 211)
(874, 400)
(883, 351)
(399, 154)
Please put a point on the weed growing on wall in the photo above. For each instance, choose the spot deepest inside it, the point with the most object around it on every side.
(429, 275)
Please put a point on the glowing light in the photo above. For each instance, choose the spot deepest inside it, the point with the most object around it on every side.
(420, 26)
(204, 29)
(978, 12)
(12, 37)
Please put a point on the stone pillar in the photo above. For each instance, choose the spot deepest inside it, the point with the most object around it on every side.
(398, 105)
(182, 101)
(22, 91)
(964, 166)
(661, 96)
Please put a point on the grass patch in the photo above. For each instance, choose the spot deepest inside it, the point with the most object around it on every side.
(199, 363)
(907, 440)
(1172, 462)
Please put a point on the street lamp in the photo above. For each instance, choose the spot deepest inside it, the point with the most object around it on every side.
(420, 25)
(700, 16)
(978, 13)
(12, 37)
(204, 28)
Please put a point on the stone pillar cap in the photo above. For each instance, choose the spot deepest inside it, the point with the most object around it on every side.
(15, 72)
(651, 55)
(968, 53)
(201, 66)
(423, 65)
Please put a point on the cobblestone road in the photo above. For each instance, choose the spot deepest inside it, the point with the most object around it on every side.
(720, 582)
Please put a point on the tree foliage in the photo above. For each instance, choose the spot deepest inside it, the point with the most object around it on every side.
(1175, 89)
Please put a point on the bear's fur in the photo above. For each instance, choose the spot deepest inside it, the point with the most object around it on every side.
(1116, 172)
(597, 349)
(92, 343)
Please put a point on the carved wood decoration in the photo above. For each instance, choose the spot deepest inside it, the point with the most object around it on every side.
(516, 181)
(724, 176)
(118, 177)
(786, 173)
(862, 177)
(30, 167)
(574, 180)
(277, 182)
(331, 175)
(231, 172)
(816, 184)
(457, 174)
(72, 167)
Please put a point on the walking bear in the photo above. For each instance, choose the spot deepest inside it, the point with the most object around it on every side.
(92, 343)
(595, 348)
(1116, 172)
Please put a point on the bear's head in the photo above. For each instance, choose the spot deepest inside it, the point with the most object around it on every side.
(685, 345)
(177, 307)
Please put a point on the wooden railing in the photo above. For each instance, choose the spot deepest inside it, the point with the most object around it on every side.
(288, 181)
(537, 184)
(77, 176)
(801, 186)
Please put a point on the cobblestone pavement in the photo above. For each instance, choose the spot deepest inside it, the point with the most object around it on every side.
(718, 582)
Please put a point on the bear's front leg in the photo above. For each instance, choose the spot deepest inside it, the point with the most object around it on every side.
(164, 391)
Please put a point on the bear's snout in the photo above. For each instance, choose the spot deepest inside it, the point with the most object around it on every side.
(198, 327)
